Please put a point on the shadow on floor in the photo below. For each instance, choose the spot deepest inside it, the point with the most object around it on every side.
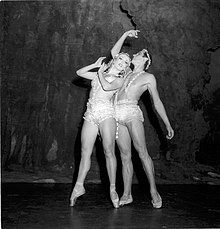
(45, 206)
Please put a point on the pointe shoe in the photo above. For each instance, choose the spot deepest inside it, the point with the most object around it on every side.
(157, 204)
(125, 199)
(115, 201)
(75, 194)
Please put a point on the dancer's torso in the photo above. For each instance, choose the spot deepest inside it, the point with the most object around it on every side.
(133, 87)
(98, 93)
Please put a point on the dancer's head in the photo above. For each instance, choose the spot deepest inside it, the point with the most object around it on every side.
(121, 63)
(142, 58)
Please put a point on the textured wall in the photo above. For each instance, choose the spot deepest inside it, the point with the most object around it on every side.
(44, 43)
(180, 36)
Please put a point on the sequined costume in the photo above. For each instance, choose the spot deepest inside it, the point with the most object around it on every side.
(128, 110)
(98, 109)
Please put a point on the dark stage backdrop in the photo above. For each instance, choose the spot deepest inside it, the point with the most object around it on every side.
(43, 101)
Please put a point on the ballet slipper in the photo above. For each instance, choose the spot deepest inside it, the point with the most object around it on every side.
(115, 201)
(125, 199)
(76, 194)
(158, 204)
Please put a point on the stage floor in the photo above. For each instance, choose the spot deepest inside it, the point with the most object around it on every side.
(45, 206)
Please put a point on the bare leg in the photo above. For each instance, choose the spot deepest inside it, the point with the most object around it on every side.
(88, 137)
(124, 145)
(137, 133)
(108, 132)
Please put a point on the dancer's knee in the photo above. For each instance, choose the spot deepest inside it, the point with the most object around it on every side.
(109, 151)
(86, 152)
(143, 154)
(125, 157)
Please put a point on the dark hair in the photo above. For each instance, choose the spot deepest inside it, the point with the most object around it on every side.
(148, 61)
(131, 66)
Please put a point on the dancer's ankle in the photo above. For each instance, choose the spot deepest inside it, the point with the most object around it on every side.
(153, 190)
(112, 186)
(127, 194)
(79, 185)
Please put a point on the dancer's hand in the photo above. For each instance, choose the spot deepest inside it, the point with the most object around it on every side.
(170, 133)
(133, 33)
(102, 68)
(98, 63)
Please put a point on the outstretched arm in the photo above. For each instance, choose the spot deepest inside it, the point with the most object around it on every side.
(117, 47)
(152, 87)
(85, 71)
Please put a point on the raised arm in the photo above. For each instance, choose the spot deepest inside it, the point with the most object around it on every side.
(117, 47)
(114, 84)
(152, 87)
(85, 71)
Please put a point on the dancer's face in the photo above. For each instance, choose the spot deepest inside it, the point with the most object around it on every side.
(122, 62)
(139, 57)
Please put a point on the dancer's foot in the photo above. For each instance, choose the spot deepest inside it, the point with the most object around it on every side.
(156, 200)
(77, 192)
(125, 199)
(114, 196)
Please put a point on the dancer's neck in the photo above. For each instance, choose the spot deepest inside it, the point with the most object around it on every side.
(138, 69)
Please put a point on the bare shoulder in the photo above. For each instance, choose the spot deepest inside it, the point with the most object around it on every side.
(149, 78)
